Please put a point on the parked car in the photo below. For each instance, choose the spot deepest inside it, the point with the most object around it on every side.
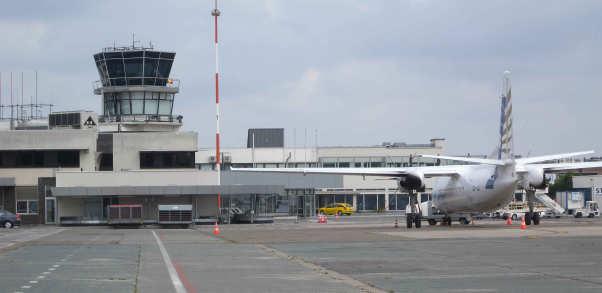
(9, 220)
(337, 209)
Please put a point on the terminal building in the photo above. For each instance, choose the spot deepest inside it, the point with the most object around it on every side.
(266, 149)
(68, 168)
(78, 163)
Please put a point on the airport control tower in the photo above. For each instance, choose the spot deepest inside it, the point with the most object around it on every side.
(137, 91)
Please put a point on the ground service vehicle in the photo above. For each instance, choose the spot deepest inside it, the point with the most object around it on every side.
(125, 214)
(590, 210)
(337, 209)
(433, 215)
(175, 214)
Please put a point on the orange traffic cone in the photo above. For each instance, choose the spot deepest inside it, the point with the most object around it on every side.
(216, 230)
(509, 221)
(523, 225)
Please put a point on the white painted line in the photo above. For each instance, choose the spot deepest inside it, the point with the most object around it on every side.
(25, 287)
(33, 282)
(51, 269)
(56, 266)
(173, 274)
(41, 277)
(46, 273)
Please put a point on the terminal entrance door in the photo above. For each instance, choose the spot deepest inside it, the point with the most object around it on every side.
(306, 206)
(50, 210)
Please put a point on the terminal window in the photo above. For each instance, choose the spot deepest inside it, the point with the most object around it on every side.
(27, 207)
(166, 160)
(39, 159)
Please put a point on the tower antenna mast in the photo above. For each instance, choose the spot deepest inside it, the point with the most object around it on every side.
(216, 13)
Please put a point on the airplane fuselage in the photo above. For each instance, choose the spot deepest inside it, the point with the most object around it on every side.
(477, 188)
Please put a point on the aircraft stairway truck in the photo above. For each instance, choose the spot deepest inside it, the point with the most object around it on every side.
(554, 207)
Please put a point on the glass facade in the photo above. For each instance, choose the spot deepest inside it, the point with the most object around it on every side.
(138, 103)
(135, 67)
(251, 208)
(376, 162)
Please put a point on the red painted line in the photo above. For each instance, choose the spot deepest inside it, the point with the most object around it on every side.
(217, 88)
(180, 271)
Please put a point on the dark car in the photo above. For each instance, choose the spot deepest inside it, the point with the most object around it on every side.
(9, 220)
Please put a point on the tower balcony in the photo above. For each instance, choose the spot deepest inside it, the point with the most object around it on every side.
(171, 85)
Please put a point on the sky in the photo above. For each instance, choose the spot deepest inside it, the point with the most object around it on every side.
(354, 72)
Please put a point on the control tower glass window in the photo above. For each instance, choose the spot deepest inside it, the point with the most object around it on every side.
(138, 103)
(135, 67)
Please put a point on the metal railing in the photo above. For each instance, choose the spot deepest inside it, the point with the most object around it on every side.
(169, 83)
(141, 118)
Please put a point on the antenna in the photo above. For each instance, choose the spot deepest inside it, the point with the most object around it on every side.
(1, 106)
(216, 13)
(316, 145)
(12, 112)
(36, 91)
(305, 148)
(21, 107)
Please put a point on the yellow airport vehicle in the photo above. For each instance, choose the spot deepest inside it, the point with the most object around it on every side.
(337, 209)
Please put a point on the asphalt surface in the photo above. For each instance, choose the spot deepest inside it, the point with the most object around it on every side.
(349, 254)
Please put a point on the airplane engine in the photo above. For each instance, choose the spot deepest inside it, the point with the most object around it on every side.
(534, 178)
(412, 181)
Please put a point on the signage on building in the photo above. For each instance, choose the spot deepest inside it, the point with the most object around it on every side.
(90, 122)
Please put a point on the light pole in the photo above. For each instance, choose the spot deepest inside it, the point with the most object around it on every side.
(216, 13)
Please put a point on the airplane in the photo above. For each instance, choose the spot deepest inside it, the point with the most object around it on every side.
(484, 185)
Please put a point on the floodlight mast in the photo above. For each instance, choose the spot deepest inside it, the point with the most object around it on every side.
(216, 13)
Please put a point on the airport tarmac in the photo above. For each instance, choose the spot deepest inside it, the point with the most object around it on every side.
(350, 254)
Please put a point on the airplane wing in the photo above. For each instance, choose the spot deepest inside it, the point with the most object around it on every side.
(531, 160)
(430, 171)
(563, 167)
(469, 160)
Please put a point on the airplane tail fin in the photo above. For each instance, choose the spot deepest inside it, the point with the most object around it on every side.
(506, 145)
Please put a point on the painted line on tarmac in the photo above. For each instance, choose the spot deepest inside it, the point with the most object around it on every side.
(363, 287)
(182, 276)
(25, 236)
(173, 274)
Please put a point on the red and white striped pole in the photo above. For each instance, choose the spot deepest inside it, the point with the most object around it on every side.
(215, 13)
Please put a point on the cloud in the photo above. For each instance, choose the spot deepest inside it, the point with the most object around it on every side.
(360, 72)
(22, 35)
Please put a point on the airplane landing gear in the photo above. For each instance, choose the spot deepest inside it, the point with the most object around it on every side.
(418, 220)
(530, 216)
(409, 220)
(536, 219)
(415, 215)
